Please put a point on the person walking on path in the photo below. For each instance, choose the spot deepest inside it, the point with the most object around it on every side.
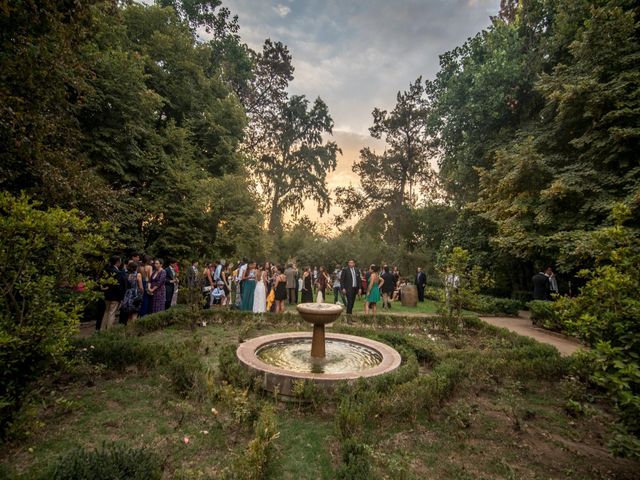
(113, 292)
(373, 291)
(351, 284)
(292, 284)
(421, 282)
(157, 287)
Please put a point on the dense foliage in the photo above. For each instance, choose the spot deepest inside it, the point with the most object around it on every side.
(44, 256)
(606, 314)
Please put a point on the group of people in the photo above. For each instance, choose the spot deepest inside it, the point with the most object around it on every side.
(145, 285)
(545, 284)
(259, 288)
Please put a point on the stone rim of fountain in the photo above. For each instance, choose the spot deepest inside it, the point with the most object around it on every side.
(246, 353)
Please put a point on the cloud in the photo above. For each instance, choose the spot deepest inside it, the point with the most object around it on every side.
(358, 54)
(282, 10)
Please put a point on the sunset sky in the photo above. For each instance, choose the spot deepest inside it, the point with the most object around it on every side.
(356, 54)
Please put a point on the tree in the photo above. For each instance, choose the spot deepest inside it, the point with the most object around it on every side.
(44, 81)
(392, 181)
(295, 168)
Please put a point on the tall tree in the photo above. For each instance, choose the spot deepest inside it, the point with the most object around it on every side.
(392, 182)
(294, 167)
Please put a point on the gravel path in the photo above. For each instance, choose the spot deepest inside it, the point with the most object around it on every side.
(523, 326)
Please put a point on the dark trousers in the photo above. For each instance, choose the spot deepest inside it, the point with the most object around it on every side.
(351, 299)
(169, 295)
(292, 296)
(336, 292)
(421, 293)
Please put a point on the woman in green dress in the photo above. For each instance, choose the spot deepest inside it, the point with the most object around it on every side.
(373, 290)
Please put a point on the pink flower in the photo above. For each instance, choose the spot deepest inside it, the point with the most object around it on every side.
(185, 439)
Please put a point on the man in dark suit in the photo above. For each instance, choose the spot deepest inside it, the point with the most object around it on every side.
(541, 286)
(351, 284)
(421, 282)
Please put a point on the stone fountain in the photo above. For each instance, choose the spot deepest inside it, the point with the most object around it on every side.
(324, 359)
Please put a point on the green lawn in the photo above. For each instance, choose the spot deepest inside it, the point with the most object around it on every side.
(427, 307)
(504, 417)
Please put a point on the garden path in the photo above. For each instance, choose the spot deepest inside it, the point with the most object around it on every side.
(523, 326)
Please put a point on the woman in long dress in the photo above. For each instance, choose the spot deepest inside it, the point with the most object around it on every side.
(248, 287)
(307, 286)
(260, 293)
(323, 283)
(146, 271)
(373, 290)
(157, 288)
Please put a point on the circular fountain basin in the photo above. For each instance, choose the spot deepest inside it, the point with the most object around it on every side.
(319, 313)
(284, 358)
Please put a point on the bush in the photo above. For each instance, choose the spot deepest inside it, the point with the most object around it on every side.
(606, 314)
(232, 370)
(356, 461)
(495, 305)
(109, 463)
(254, 464)
(117, 351)
(41, 256)
(544, 315)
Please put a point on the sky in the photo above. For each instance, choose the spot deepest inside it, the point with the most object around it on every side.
(357, 54)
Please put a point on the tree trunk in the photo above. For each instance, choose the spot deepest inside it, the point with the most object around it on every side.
(275, 216)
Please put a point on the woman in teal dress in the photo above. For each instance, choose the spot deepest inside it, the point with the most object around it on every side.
(248, 288)
(373, 290)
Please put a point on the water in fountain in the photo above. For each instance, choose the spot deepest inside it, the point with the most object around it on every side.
(341, 356)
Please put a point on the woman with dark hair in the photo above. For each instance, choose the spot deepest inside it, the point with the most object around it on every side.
(157, 288)
(323, 283)
(280, 287)
(135, 291)
(248, 287)
(146, 271)
(373, 290)
(307, 286)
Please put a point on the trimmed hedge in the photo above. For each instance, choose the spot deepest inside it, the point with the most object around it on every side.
(544, 315)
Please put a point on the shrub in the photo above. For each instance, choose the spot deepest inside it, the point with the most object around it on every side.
(606, 314)
(356, 461)
(186, 371)
(41, 255)
(108, 463)
(495, 305)
(253, 465)
(232, 370)
(544, 314)
(116, 351)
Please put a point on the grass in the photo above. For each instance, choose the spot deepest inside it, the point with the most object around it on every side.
(504, 418)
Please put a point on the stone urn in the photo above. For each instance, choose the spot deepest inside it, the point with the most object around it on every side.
(319, 314)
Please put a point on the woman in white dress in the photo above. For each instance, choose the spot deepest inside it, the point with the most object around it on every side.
(260, 294)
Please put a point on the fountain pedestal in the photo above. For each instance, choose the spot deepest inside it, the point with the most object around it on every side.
(319, 314)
